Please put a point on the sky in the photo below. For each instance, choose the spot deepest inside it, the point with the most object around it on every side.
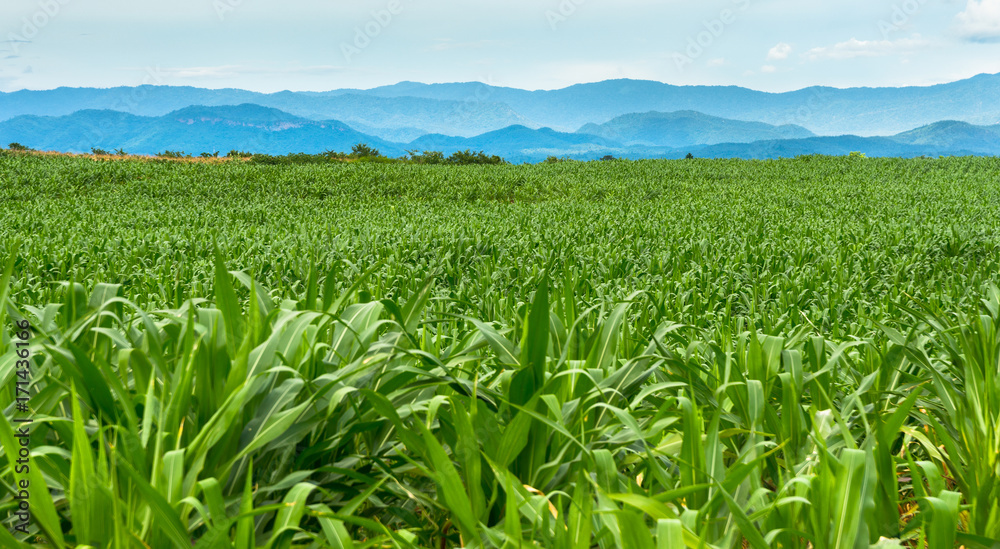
(317, 45)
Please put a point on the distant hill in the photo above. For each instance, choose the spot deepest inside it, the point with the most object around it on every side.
(404, 110)
(247, 115)
(385, 117)
(947, 138)
(834, 146)
(518, 142)
(686, 128)
(265, 130)
(193, 130)
(957, 135)
(259, 129)
(823, 110)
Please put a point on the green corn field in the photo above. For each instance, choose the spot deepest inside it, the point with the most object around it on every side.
(799, 353)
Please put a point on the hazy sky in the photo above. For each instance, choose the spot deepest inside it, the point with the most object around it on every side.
(273, 45)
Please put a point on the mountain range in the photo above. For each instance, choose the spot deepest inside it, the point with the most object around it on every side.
(254, 128)
(468, 109)
(630, 118)
(686, 128)
(193, 129)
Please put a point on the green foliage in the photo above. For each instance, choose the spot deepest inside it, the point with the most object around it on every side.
(626, 354)
(238, 154)
(334, 155)
(468, 157)
(298, 159)
(173, 154)
(427, 157)
(99, 152)
(362, 150)
(18, 147)
(559, 159)
(367, 155)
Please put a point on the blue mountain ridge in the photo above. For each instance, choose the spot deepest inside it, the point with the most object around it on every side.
(259, 129)
(408, 109)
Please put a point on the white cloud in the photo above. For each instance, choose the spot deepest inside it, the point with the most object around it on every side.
(781, 51)
(980, 22)
(768, 69)
(867, 48)
(717, 62)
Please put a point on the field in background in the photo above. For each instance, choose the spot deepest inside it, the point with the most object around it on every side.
(640, 354)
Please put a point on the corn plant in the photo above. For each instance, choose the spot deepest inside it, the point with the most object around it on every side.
(633, 354)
